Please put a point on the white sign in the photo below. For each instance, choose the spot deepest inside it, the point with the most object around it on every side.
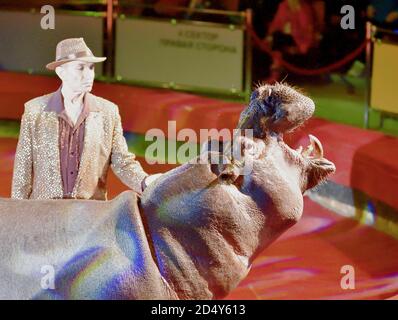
(206, 56)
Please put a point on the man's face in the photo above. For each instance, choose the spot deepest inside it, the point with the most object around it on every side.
(78, 76)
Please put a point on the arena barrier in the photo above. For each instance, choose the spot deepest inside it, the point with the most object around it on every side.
(153, 51)
(26, 47)
(382, 69)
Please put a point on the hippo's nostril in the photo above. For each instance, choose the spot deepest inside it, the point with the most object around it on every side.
(272, 109)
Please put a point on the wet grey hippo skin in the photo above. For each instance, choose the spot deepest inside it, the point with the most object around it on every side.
(194, 232)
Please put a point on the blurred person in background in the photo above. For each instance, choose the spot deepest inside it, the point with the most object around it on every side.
(300, 22)
(383, 13)
(68, 139)
(294, 30)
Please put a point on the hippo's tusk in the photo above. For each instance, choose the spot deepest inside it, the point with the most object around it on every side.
(314, 150)
(307, 152)
(317, 147)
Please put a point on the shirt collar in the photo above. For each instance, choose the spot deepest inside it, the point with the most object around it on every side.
(56, 103)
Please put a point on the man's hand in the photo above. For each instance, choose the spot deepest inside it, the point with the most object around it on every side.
(149, 179)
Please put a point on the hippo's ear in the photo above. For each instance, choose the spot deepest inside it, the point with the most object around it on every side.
(229, 173)
(225, 172)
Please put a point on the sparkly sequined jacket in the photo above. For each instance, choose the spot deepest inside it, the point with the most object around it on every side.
(37, 172)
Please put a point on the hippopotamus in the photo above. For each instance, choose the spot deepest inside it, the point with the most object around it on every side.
(192, 234)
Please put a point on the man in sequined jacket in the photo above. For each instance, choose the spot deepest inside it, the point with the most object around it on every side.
(69, 138)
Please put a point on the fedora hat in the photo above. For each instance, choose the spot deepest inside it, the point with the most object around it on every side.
(73, 49)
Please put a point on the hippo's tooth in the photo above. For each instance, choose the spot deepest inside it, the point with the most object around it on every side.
(308, 150)
(299, 149)
(314, 149)
(317, 147)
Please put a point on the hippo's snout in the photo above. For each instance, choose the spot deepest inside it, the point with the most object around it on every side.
(275, 108)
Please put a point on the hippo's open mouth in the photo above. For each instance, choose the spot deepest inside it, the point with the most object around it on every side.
(313, 150)
(277, 109)
(274, 110)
